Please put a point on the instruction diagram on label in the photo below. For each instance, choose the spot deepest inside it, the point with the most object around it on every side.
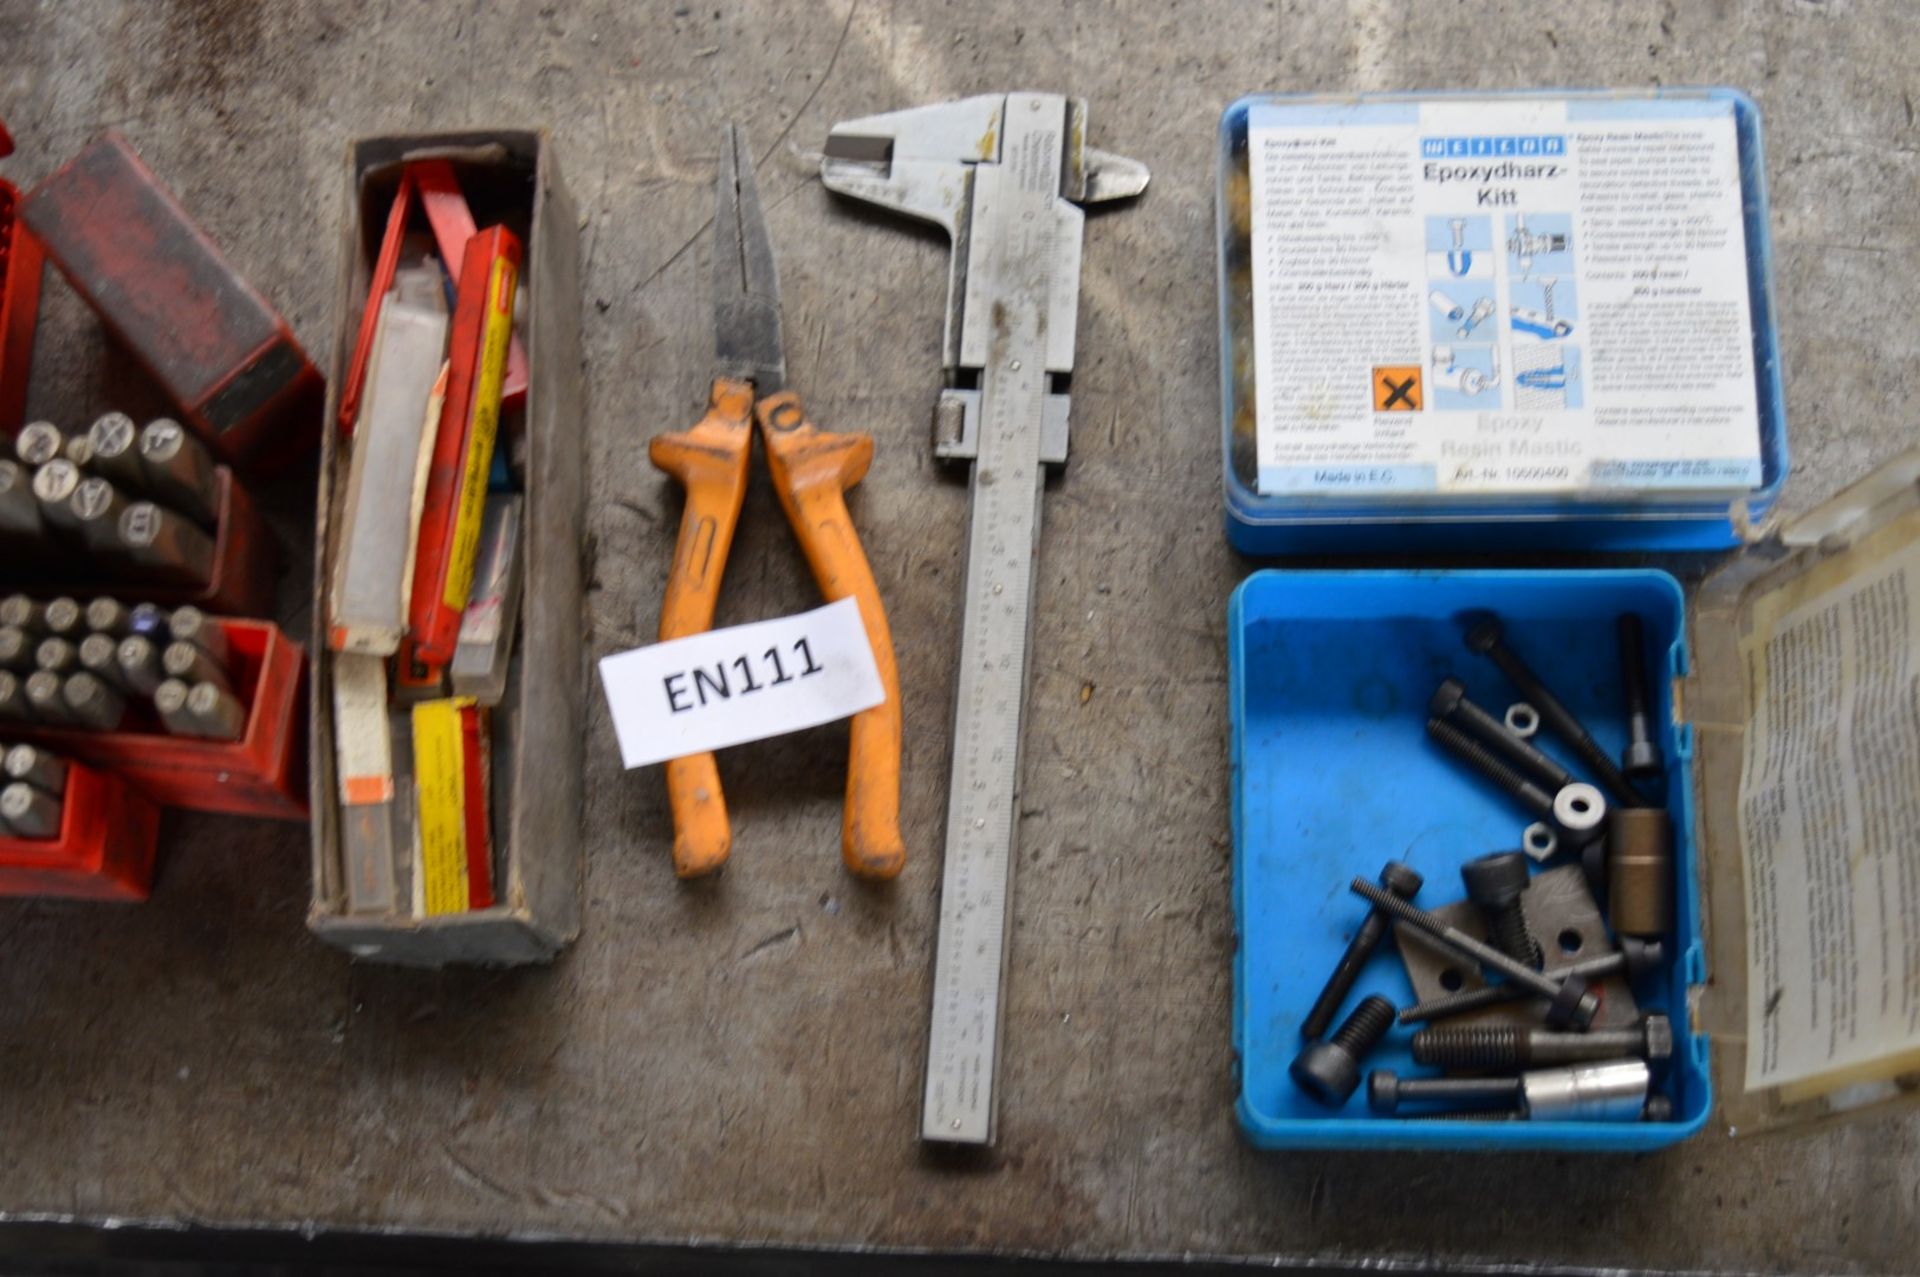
(1509, 295)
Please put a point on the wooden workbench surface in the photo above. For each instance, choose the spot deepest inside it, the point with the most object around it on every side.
(739, 1060)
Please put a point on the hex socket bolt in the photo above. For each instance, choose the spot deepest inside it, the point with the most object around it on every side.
(37, 443)
(1402, 881)
(216, 712)
(21, 612)
(179, 470)
(139, 661)
(1609, 1091)
(16, 649)
(28, 813)
(165, 544)
(1494, 883)
(1387, 1091)
(1641, 759)
(170, 702)
(92, 703)
(1481, 759)
(190, 625)
(36, 767)
(56, 654)
(190, 665)
(1574, 1003)
(1509, 1047)
(1635, 959)
(1451, 704)
(1330, 1071)
(1484, 636)
(115, 440)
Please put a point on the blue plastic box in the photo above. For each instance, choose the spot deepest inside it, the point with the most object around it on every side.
(1333, 775)
(1271, 524)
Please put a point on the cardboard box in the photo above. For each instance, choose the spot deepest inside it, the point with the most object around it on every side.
(511, 176)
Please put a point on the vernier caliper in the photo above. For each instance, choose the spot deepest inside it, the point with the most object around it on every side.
(1002, 174)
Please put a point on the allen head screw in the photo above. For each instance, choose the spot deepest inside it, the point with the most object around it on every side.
(1451, 703)
(1402, 881)
(1641, 760)
(1485, 637)
(1330, 1071)
(1495, 884)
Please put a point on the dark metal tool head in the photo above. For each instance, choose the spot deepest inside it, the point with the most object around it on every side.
(1401, 879)
(746, 288)
(1495, 881)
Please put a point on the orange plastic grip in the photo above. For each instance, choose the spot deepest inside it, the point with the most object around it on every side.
(812, 469)
(710, 461)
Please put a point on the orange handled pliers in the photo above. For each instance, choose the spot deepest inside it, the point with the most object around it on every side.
(812, 469)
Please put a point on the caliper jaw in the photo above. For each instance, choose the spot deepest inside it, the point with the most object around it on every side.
(920, 163)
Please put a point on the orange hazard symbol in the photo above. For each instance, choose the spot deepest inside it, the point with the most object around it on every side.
(1396, 388)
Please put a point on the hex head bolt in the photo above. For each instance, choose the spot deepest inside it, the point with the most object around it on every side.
(1495, 883)
(1641, 759)
(1451, 704)
(1506, 1047)
(1484, 636)
(1635, 960)
(1573, 1003)
(1330, 1071)
(1402, 881)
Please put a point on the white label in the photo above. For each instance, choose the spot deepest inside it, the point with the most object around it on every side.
(1829, 802)
(727, 687)
(363, 754)
(1501, 297)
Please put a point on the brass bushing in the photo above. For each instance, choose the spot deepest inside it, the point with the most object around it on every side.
(1640, 871)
